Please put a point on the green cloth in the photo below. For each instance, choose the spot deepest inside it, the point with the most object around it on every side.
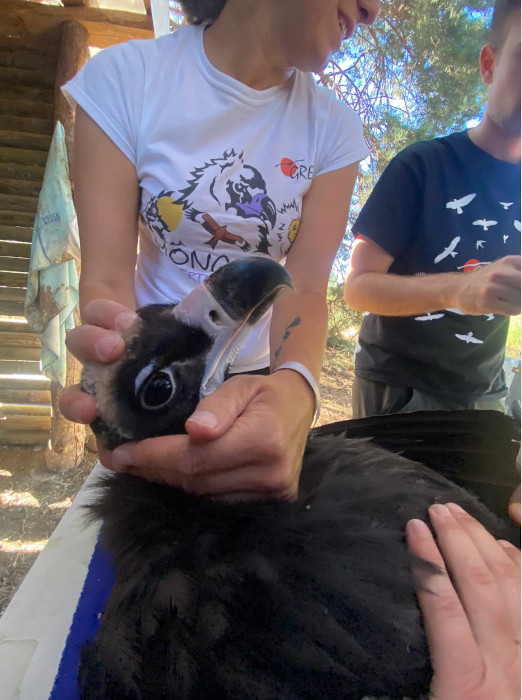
(52, 285)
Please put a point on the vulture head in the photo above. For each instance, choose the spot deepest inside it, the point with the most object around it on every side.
(177, 354)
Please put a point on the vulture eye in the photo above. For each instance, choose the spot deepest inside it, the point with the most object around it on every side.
(157, 390)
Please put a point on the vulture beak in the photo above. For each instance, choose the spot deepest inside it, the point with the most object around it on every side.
(227, 305)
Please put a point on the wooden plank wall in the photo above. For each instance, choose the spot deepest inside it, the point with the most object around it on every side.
(31, 51)
(27, 75)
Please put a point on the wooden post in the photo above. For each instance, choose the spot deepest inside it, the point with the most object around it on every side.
(73, 54)
(67, 439)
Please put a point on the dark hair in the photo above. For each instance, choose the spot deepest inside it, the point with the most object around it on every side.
(201, 11)
(499, 24)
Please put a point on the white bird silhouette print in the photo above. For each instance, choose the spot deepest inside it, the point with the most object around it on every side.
(429, 317)
(516, 224)
(480, 244)
(469, 265)
(505, 237)
(450, 250)
(485, 223)
(469, 338)
(458, 204)
(506, 205)
(489, 317)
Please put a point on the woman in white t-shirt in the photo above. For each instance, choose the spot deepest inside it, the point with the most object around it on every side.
(219, 125)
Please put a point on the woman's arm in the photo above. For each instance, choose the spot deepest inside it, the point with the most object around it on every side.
(300, 320)
(106, 198)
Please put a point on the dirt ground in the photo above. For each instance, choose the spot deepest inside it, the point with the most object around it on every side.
(33, 500)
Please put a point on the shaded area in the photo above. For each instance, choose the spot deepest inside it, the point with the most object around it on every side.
(32, 502)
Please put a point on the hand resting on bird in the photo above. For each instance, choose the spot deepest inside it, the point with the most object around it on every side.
(472, 613)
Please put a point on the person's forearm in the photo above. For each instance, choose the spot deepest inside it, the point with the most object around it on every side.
(122, 293)
(400, 295)
(298, 330)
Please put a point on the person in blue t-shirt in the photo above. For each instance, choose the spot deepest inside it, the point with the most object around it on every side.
(436, 260)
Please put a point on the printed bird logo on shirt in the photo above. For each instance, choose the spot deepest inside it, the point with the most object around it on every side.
(232, 186)
(485, 223)
(448, 251)
(459, 204)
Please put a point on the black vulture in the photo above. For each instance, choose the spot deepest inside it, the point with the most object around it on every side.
(312, 599)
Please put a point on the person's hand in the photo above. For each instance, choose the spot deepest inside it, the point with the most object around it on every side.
(471, 610)
(492, 289)
(96, 340)
(245, 440)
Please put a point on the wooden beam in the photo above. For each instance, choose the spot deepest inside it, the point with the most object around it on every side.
(13, 279)
(73, 54)
(23, 153)
(34, 94)
(22, 339)
(25, 396)
(15, 233)
(11, 264)
(23, 385)
(31, 142)
(14, 353)
(19, 367)
(20, 188)
(25, 108)
(13, 295)
(37, 18)
(14, 309)
(15, 218)
(15, 249)
(26, 58)
(24, 409)
(103, 34)
(26, 172)
(26, 76)
(15, 203)
(17, 437)
(34, 125)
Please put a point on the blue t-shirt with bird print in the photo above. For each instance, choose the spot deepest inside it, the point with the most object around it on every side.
(442, 205)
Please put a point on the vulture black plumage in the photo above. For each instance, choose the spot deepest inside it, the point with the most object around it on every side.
(256, 601)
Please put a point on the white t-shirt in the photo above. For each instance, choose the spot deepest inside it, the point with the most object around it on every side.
(222, 167)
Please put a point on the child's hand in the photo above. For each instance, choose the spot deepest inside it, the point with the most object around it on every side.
(472, 611)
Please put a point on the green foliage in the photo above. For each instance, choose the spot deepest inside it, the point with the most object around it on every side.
(414, 75)
(343, 322)
(513, 339)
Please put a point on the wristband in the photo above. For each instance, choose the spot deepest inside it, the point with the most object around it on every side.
(306, 374)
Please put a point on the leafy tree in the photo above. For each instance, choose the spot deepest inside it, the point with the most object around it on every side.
(413, 75)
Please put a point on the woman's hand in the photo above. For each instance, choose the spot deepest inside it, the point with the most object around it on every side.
(94, 341)
(472, 611)
(246, 440)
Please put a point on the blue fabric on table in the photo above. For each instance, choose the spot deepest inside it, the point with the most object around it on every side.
(91, 604)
